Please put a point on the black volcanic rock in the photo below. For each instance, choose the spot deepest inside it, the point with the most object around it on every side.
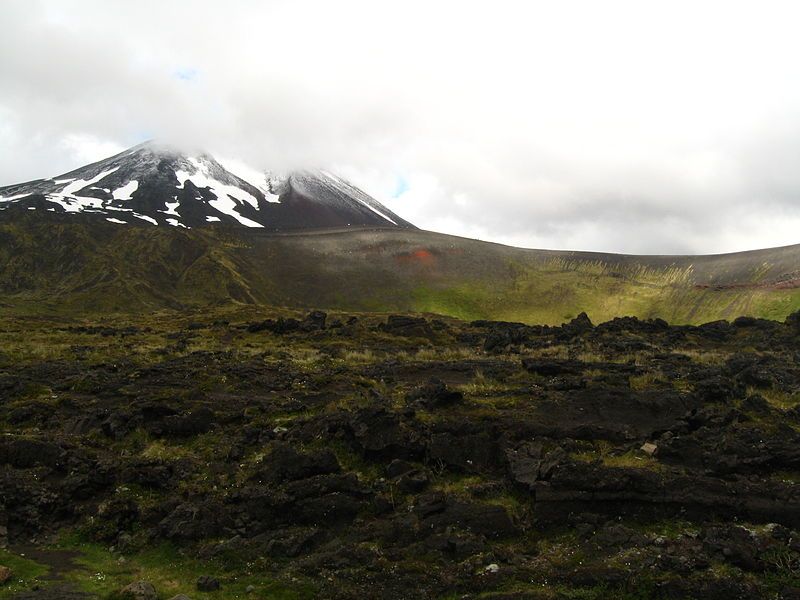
(286, 464)
(611, 477)
(434, 394)
(579, 325)
(406, 326)
(157, 185)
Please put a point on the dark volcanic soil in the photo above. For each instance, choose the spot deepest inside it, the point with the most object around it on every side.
(366, 457)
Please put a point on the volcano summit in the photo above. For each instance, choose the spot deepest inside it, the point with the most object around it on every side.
(154, 184)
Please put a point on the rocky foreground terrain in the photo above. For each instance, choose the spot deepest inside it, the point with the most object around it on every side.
(248, 454)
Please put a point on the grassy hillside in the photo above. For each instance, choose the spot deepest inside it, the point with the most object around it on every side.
(51, 266)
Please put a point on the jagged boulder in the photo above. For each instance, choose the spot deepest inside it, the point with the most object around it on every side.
(406, 326)
(194, 520)
(195, 422)
(531, 462)
(578, 326)
(5, 575)
(314, 321)
(24, 453)
(434, 394)
(380, 433)
(439, 513)
(138, 590)
(284, 463)
(206, 583)
(279, 326)
(552, 367)
(504, 336)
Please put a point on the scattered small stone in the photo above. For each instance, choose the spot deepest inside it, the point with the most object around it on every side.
(492, 568)
(139, 590)
(649, 448)
(250, 589)
(5, 574)
(206, 583)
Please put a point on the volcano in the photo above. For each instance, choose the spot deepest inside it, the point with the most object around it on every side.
(153, 184)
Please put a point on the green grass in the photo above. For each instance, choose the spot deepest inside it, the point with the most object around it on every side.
(348, 459)
(668, 528)
(557, 291)
(24, 573)
(646, 381)
(104, 574)
(466, 301)
(484, 386)
(779, 399)
(604, 452)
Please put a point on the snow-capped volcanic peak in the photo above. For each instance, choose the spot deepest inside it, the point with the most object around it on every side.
(207, 174)
(154, 184)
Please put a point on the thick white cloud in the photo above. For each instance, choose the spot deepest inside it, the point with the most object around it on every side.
(624, 126)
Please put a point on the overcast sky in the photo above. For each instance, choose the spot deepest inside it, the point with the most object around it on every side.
(642, 126)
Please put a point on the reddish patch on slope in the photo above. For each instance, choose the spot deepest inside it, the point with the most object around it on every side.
(419, 257)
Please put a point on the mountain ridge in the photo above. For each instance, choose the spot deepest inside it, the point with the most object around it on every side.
(56, 264)
(312, 240)
(155, 184)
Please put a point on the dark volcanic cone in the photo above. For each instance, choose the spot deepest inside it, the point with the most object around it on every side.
(154, 184)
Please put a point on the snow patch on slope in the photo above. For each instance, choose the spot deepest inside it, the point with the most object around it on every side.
(228, 196)
(145, 218)
(276, 185)
(126, 191)
(171, 208)
(219, 188)
(15, 197)
(74, 204)
(257, 179)
(77, 185)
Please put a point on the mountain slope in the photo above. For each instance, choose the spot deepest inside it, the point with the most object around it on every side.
(310, 239)
(54, 264)
(157, 185)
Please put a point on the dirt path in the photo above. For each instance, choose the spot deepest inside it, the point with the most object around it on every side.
(53, 585)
